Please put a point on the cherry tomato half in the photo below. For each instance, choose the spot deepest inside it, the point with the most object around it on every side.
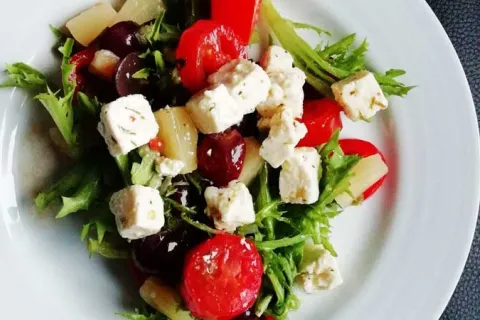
(81, 60)
(222, 277)
(365, 149)
(241, 16)
(322, 118)
(203, 49)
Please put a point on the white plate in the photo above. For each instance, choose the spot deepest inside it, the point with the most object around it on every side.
(401, 254)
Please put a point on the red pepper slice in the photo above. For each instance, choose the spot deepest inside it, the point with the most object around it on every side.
(365, 149)
(203, 49)
(156, 144)
(241, 16)
(81, 60)
(322, 118)
(222, 277)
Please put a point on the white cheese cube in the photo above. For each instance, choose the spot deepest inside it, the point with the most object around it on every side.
(299, 180)
(363, 175)
(214, 110)
(168, 167)
(246, 82)
(286, 90)
(360, 95)
(318, 269)
(276, 59)
(230, 207)
(284, 135)
(138, 211)
(127, 123)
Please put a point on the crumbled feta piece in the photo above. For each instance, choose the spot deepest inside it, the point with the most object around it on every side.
(138, 211)
(127, 123)
(286, 90)
(363, 175)
(168, 167)
(318, 269)
(360, 95)
(246, 82)
(214, 110)
(276, 59)
(299, 181)
(230, 207)
(285, 133)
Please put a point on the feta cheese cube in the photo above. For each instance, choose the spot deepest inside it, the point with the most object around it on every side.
(284, 135)
(168, 167)
(230, 207)
(286, 90)
(127, 123)
(360, 95)
(363, 175)
(246, 82)
(138, 211)
(299, 180)
(276, 59)
(214, 110)
(318, 269)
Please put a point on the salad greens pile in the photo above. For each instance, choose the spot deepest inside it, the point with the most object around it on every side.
(280, 229)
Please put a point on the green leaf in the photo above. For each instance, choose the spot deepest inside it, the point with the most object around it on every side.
(106, 249)
(281, 243)
(123, 163)
(390, 86)
(91, 105)
(67, 68)
(155, 31)
(159, 62)
(142, 74)
(143, 172)
(69, 181)
(61, 111)
(83, 197)
(23, 76)
(300, 25)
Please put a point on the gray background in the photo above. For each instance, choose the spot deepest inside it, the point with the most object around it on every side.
(461, 20)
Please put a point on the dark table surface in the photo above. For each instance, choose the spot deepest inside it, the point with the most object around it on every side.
(461, 20)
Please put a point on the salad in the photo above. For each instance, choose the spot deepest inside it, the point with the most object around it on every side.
(204, 139)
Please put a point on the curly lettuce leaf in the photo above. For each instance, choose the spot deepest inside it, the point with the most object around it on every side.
(86, 193)
(91, 105)
(100, 222)
(106, 250)
(142, 315)
(142, 173)
(390, 86)
(61, 111)
(68, 182)
(67, 68)
(21, 75)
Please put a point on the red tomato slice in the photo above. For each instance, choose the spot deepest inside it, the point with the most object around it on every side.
(222, 277)
(241, 16)
(81, 60)
(365, 149)
(322, 118)
(203, 49)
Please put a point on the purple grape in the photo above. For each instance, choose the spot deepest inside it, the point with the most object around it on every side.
(121, 38)
(124, 81)
(163, 254)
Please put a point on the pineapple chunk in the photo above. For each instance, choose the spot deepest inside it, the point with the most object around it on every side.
(364, 174)
(104, 64)
(164, 299)
(180, 136)
(253, 162)
(139, 11)
(88, 25)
